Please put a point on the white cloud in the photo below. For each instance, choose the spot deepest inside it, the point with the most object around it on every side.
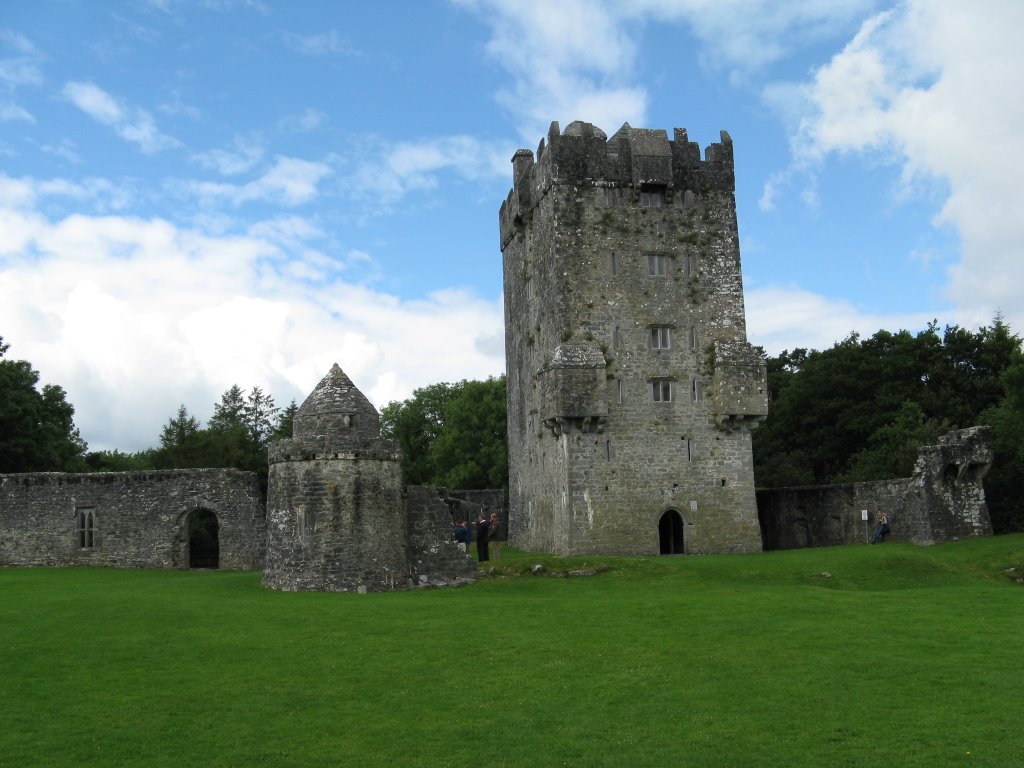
(319, 44)
(928, 87)
(308, 120)
(578, 58)
(781, 318)
(289, 181)
(10, 113)
(136, 315)
(133, 125)
(387, 172)
(245, 152)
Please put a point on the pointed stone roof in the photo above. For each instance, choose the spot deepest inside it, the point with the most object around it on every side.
(336, 408)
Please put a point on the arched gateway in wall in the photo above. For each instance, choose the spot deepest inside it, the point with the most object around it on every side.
(203, 530)
(670, 533)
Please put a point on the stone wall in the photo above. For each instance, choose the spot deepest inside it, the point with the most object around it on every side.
(435, 558)
(140, 519)
(606, 242)
(943, 500)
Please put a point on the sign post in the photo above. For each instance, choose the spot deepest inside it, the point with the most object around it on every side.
(864, 517)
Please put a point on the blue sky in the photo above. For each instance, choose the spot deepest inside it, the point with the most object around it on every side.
(199, 193)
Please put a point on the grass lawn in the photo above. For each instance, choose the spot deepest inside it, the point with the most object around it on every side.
(852, 656)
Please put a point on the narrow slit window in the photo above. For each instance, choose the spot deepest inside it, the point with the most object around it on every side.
(695, 393)
(620, 390)
(694, 338)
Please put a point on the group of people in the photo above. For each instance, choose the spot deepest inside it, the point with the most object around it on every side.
(487, 536)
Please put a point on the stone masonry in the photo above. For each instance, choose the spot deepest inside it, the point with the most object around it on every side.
(943, 500)
(138, 519)
(337, 518)
(631, 385)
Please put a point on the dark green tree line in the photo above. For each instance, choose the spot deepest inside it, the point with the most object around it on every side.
(37, 428)
(860, 410)
(452, 435)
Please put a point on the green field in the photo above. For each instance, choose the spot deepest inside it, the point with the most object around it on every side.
(853, 656)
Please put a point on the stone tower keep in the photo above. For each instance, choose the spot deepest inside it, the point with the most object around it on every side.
(631, 386)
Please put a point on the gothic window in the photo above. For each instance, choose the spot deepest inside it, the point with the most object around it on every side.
(657, 265)
(86, 528)
(661, 337)
(661, 390)
(652, 197)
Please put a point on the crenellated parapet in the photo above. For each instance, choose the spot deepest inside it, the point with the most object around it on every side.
(632, 157)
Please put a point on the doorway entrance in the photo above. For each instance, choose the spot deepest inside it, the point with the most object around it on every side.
(203, 539)
(670, 533)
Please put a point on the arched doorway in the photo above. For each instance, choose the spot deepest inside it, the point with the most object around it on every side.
(203, 539)
(670, 533)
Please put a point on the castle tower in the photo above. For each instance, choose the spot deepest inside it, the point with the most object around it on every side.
(335, 515)
(631, 386)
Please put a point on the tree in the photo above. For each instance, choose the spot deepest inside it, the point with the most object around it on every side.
(1006, 477)
(258, 415)
(285, 421)
(179, 429)
(452, 434)
(471, 450)
(37, 429)
(860, 410)
(230, 410)
(415, 424)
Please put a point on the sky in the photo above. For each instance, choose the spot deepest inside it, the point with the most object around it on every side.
(201, 193)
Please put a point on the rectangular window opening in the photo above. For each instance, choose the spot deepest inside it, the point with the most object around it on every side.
(652, 197)
(661, 391)
(661, 337)
(657, 265)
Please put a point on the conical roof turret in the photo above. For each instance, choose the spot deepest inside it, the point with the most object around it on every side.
(336, 409)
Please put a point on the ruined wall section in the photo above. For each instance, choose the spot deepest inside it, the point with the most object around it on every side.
(140, 518)
(593, 461)
(435, 559)
(944, 500)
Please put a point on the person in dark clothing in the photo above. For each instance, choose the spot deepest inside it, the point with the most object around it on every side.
(482, 531)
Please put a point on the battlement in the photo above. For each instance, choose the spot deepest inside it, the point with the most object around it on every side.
(633, 157)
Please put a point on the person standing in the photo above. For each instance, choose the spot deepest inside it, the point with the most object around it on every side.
(482, 537)
(883, 528)
(494, 534)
